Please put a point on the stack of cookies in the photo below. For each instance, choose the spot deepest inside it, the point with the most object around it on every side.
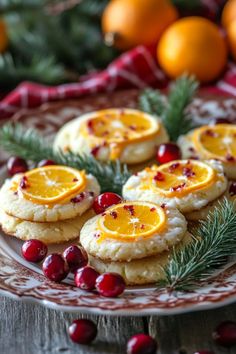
(192, 186)
(215, 142)
(212, 142)
(49, 203)
(134, 239)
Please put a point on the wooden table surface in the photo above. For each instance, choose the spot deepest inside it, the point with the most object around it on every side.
(27, 328)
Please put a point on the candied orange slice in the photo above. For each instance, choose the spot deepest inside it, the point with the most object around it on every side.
(216, 142)
(120, 127)
(131, 220)
(178, 178)
(51, 184)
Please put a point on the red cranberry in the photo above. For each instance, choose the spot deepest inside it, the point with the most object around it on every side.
(34, 250)
(83, 331)
(168, 152)
(95, 150)
(85, 278)
(220, 121)
(55, 267)
(105, 200)
(16, 165)
(232, 189)
(43, 163)
(76, 257)
(141, 344)
(110, 284)
(225, 333)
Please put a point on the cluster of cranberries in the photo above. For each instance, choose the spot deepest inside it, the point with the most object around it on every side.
(74, 259)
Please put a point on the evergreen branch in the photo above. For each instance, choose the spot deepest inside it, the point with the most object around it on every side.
(67, 43)
(176, 119)
(30, 146)
(214, 241)
(152, 102)
(39, 69)
(173, 113)
(20, 5)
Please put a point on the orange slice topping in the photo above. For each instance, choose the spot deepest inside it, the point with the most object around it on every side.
(119, 127)
(178, 178)
(131, 220)
(51, 184)
(216, 142)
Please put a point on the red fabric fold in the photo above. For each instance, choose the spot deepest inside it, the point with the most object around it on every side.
(136, 68)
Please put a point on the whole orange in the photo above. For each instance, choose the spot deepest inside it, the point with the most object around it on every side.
(3, 37)
(231, 35)
(229, 13)
(193, 45)
(127, 23)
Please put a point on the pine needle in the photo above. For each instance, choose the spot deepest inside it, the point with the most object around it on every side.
(214, 241)
(152, 102)
(177, 121)
(30, 146)
(173, 113)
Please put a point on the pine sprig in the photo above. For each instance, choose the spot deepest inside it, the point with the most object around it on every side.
(176, 119)
(152, 102)
(173, 113)
(30, 146)
(214, 241)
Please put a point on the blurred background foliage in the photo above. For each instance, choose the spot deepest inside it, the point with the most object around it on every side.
(56, 41)
(51, 41)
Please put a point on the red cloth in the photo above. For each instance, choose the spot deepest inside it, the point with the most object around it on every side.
(136, 68)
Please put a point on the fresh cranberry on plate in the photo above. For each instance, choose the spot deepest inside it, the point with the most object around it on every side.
(15, 165)
(232, 189)
(76, 257)
(104, 201)
(85, 278)
(168, 152)
(34, 250)
(55, 267)
(110, 284)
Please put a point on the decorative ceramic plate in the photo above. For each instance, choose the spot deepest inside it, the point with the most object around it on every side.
(21, 280)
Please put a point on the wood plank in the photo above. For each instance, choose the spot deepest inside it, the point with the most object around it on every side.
(32, 329)
(190, 332)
